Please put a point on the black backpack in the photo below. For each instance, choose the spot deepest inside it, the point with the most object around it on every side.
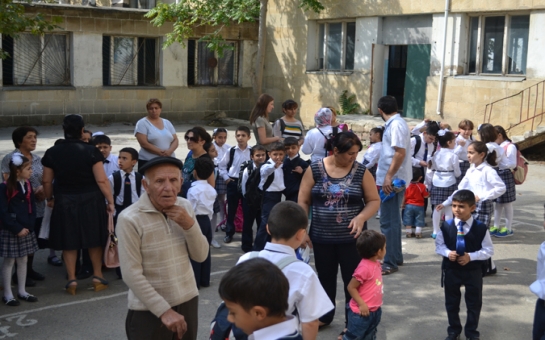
(254, 196)
(231, 156)
(117, 183)
(329, 140)
(418, 144)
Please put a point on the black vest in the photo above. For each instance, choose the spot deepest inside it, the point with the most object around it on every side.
(473, 240)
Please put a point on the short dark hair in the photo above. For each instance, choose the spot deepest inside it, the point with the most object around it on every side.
(464, 196)
(447, 137)
(101, 139)
(18, 134)
(72, 126)
(344, 141)
(131, 151)
(289, 105)
(289, 141)
(277, 146)
(488, 133)
(417, 173)
(379, 130)
(432, 128)
(481, 147)
(200, 132)
(204, 167)
(256, 282)
(369, 243)
(218, 130)
(286, 219)
(257, 147)
(388, 105)
(243, 129)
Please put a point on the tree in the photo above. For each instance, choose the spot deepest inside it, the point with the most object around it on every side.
(14, 20)
(189, 14)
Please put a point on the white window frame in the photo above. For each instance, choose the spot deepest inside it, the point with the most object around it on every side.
(216, 69)
(326, 35)
(480, 40)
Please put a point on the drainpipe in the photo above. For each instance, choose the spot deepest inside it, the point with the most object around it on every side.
(440, 95)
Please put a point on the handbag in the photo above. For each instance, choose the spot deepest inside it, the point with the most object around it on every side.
(111, 255)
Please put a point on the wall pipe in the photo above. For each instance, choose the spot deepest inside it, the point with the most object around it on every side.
(442, 77)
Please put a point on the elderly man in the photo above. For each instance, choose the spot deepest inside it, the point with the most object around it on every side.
(158, 235)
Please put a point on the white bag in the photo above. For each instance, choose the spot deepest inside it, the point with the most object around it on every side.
(44, 231)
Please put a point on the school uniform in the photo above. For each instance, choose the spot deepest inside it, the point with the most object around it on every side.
(110, 164)
(286, 330)
(128, 192)
(229, 169)
(221, 187)
(471, 237)
(506, 164)
(17, 212)
(271, 196)
(292, 180)
(202, 195)
(251, 214)
(461, 152)
(371, 157)
(445, 167)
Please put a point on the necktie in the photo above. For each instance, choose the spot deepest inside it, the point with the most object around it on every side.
(425, 151)
(127, 192)
(460, 241)
(105, 161)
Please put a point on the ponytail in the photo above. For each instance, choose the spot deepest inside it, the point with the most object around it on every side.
(488, 150)
(16, 163)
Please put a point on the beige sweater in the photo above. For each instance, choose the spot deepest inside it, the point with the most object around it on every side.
(154, 254)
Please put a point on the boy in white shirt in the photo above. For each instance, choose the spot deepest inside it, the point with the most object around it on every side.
(287, 226)
(202, 195)
(104, 144)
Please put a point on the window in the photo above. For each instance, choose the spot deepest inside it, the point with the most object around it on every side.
(336, 42)
(206, 67)
(498, 44)
(129, 61)
(36, 60)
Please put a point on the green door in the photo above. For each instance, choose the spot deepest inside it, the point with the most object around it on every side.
(418, 70)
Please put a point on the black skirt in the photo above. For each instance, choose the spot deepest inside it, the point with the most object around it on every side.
(78, 221)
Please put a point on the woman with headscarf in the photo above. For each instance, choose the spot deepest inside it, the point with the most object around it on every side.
(316, 138)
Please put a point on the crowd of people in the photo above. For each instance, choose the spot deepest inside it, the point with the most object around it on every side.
(165, 211)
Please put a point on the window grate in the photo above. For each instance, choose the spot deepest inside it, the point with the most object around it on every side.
(205, 67)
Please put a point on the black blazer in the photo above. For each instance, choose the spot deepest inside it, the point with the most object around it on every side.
(17, 212)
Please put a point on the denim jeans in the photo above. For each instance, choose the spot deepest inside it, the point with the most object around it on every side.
(414, 216)
(390, 226)
(362, 327)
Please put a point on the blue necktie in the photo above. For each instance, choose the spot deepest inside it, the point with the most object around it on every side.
(460, 242)
(425, 151)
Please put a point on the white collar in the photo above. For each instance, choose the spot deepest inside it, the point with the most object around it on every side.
(199, 182)
(391, 119)
(481, 166)
(294, 157)
(238, 147)
(279, 330)
(280, 248)
(123, 173)
(469, 221)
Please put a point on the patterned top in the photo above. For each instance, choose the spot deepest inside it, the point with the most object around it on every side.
(35, 179)
(335, 202)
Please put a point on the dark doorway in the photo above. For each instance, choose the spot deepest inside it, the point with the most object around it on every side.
(397, 70)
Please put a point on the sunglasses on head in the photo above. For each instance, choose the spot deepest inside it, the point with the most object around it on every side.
(192, 138)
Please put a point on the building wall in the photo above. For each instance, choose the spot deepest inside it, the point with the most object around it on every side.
(87, 96)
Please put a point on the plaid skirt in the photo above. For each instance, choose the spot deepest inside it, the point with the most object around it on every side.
(484, 212)
(439, 194)
(13, 246)
(510, 194)
(221, 187)
(464, 166)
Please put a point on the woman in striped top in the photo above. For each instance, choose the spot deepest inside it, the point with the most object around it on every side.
(288, 125)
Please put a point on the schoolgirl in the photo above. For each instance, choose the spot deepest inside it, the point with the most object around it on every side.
(17, 216)
(219, 137)
(445, 167)
(464, 138)
(288, 125)
(212, 151)
(504, 203)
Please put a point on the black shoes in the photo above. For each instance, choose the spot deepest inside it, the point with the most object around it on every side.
(35, 276)
(54, 261)
(11, 302)
(453, 336)
(227, 239)
(28, 298)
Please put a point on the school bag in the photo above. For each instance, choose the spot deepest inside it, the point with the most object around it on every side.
(418, 144)
(220, 327)
(329, 140)
(521, 170)
(117, 183)
(254, 196)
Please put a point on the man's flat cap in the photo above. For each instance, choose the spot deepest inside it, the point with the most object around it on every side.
(160, 160)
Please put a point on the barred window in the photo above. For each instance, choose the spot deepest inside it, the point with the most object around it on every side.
(206, 67)
(336, 46)
(36, 60)
(129, 61)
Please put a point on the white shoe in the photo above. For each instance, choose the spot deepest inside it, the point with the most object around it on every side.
(215, 244)
(378, 216)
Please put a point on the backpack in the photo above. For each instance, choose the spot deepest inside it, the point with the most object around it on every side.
(521, 170)
(117, 183)
(254, 195)
(329, 140)
(220, 327)
(231, 157)
(418, 144)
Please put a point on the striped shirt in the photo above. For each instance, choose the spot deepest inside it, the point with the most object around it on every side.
(335, 202)
(291, 129)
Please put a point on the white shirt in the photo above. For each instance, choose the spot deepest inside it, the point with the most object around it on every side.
(372, 155)
(266, 170)
(396, 134)
(110, 165)
(483, 180)
(461, 151)
(306, 293)
(160, 138)
(499, 152)
(245, 179)
(538, 287)
(446, 168)
(419, 156)
(283, 329)
(239, 157)
(202, 195)
(509, 159)
(487, 248)
(314, 144)
(132, 178)
(222, 150)
(417, 127)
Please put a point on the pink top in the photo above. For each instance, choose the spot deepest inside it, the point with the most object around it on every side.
(369, 274)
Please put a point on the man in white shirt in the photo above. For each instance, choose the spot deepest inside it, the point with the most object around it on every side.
(394, 162)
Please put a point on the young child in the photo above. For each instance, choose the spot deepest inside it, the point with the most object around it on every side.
(86, 136)
(294, 168)
(464, 242)
(210, 148)
(288, 125)
(256, 294)
(104, 144)
(446, 168)
(464, 138)
(366, 288)
(202, 195)
(413, 202)
(229, 170)
(505, 168)
(287, 226)
(219, 137)
(372, 155)
(252, 212)
(272, 186)
(18, 216)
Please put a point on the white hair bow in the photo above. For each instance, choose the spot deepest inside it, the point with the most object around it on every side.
(98, 133)
(441, 133)
(490, 148)
(479, 127)
(17, 159)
